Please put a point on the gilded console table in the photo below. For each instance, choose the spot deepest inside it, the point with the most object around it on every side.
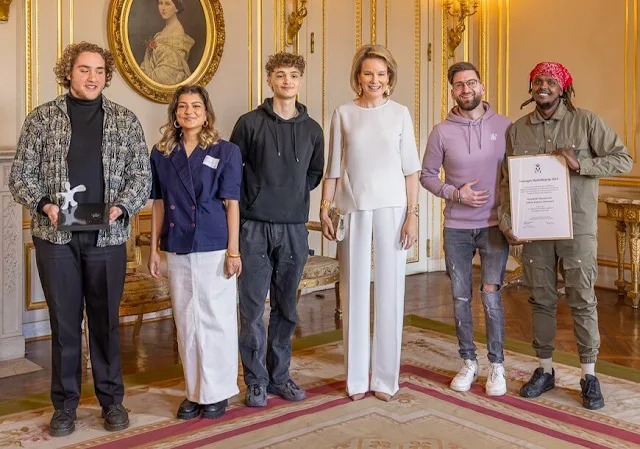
(626, 211)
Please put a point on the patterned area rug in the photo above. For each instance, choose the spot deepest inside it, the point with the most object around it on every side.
(425, 414)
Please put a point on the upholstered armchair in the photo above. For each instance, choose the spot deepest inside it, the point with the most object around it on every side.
(321, 270)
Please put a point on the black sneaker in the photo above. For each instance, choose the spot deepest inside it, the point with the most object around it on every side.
(287, 390)
(212, 411)
(63, 422)
(188, 410)
(115, 417)
(591, 394)
(256, 396)
(539, 383)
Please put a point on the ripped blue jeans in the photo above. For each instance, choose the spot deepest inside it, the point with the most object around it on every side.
(460, 246)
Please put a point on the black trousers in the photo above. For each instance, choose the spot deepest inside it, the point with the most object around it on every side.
(71, 275)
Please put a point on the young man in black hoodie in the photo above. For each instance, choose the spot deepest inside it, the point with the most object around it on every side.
(283, 155)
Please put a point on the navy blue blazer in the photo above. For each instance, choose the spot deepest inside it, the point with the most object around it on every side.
(192, 189)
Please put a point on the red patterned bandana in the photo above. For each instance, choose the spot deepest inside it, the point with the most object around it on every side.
(553, 70)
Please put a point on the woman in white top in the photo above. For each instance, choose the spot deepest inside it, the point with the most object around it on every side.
(372, 177)
(166, 55)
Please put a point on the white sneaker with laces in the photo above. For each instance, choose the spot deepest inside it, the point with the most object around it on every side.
(466, 376)
(496, 382)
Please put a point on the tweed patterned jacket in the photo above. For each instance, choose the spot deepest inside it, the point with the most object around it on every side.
(40, 167)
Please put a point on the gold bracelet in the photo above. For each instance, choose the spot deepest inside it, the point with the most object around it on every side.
(415, 210)
(325, 204)
(233, 256)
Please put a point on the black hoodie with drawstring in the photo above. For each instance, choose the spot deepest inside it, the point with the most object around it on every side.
(283, 161)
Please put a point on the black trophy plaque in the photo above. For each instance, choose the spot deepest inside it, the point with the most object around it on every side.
(84, 217)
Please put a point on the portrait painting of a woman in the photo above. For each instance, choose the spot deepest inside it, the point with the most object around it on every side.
(167, 52)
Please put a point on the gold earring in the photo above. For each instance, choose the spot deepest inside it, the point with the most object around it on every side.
(359, 91)
(205, 124)
(387, 91)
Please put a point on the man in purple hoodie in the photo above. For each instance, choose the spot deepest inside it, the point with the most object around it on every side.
(470, 145)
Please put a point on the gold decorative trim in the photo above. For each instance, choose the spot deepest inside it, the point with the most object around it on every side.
(295, 22)
(417, 50)
(507, 59)
(71, 14)
(358, 24)
(386, 23)
(250, 51)
(324, 65)
(444, 107)
(444, 103)
(275, 26)
(432, 68)
(117, 32)
(465, 50)
(500, 55)
(27, 59)
(373, 21)
(27, 278)
(620, 182)
(5, 8)
(634, 69)
(283, 25)
(325, 106)
(259, 56)
(60, 43)
(612, 264)
(625, 102)
(37, 51)
(484, 45)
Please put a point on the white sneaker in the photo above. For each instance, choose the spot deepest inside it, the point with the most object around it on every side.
(466, 376)
(496, 382)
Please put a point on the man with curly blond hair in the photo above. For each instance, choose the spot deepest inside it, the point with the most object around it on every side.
(82, 138)
(283, 154)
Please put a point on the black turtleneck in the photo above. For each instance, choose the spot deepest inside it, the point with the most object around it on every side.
(84, 159)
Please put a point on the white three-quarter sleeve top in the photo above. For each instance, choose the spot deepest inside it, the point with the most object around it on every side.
(371, 150)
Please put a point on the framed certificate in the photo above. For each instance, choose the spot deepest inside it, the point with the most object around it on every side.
(540, 197)
(84, 217)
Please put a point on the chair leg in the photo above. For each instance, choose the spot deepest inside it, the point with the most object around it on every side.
(338, 301)
(87, 354)
(138, 325)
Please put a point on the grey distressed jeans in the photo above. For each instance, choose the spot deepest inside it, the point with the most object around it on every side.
(273, 258)
(460, 246)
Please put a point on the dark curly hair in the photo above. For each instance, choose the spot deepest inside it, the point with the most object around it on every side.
(64, 65)
(284, 59)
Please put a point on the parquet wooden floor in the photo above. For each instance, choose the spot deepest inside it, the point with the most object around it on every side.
(427, 295)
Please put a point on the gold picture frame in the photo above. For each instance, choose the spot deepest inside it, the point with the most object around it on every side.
(155, 64)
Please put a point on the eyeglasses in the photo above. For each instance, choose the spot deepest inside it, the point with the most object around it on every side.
(471, 84)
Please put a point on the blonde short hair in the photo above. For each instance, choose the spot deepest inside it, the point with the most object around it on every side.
(378, 52)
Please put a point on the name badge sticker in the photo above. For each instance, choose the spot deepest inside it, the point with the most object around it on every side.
(211, 162)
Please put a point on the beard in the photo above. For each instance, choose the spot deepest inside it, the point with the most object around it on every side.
(471, 104)
(546, 105)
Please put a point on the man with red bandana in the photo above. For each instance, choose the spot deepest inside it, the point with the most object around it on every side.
(592, 150)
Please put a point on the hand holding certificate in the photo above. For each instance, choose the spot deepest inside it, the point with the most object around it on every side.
(540, 197)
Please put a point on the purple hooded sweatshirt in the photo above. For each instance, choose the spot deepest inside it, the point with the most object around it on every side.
(467, 150)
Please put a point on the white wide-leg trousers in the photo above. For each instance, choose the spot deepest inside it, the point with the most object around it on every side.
(389, 282)
(204, 309)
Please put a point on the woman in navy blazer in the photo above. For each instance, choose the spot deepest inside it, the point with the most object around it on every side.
(195, 220)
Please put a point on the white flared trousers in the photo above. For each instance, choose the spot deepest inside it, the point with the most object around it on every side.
(389, 280)
(204, 309)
